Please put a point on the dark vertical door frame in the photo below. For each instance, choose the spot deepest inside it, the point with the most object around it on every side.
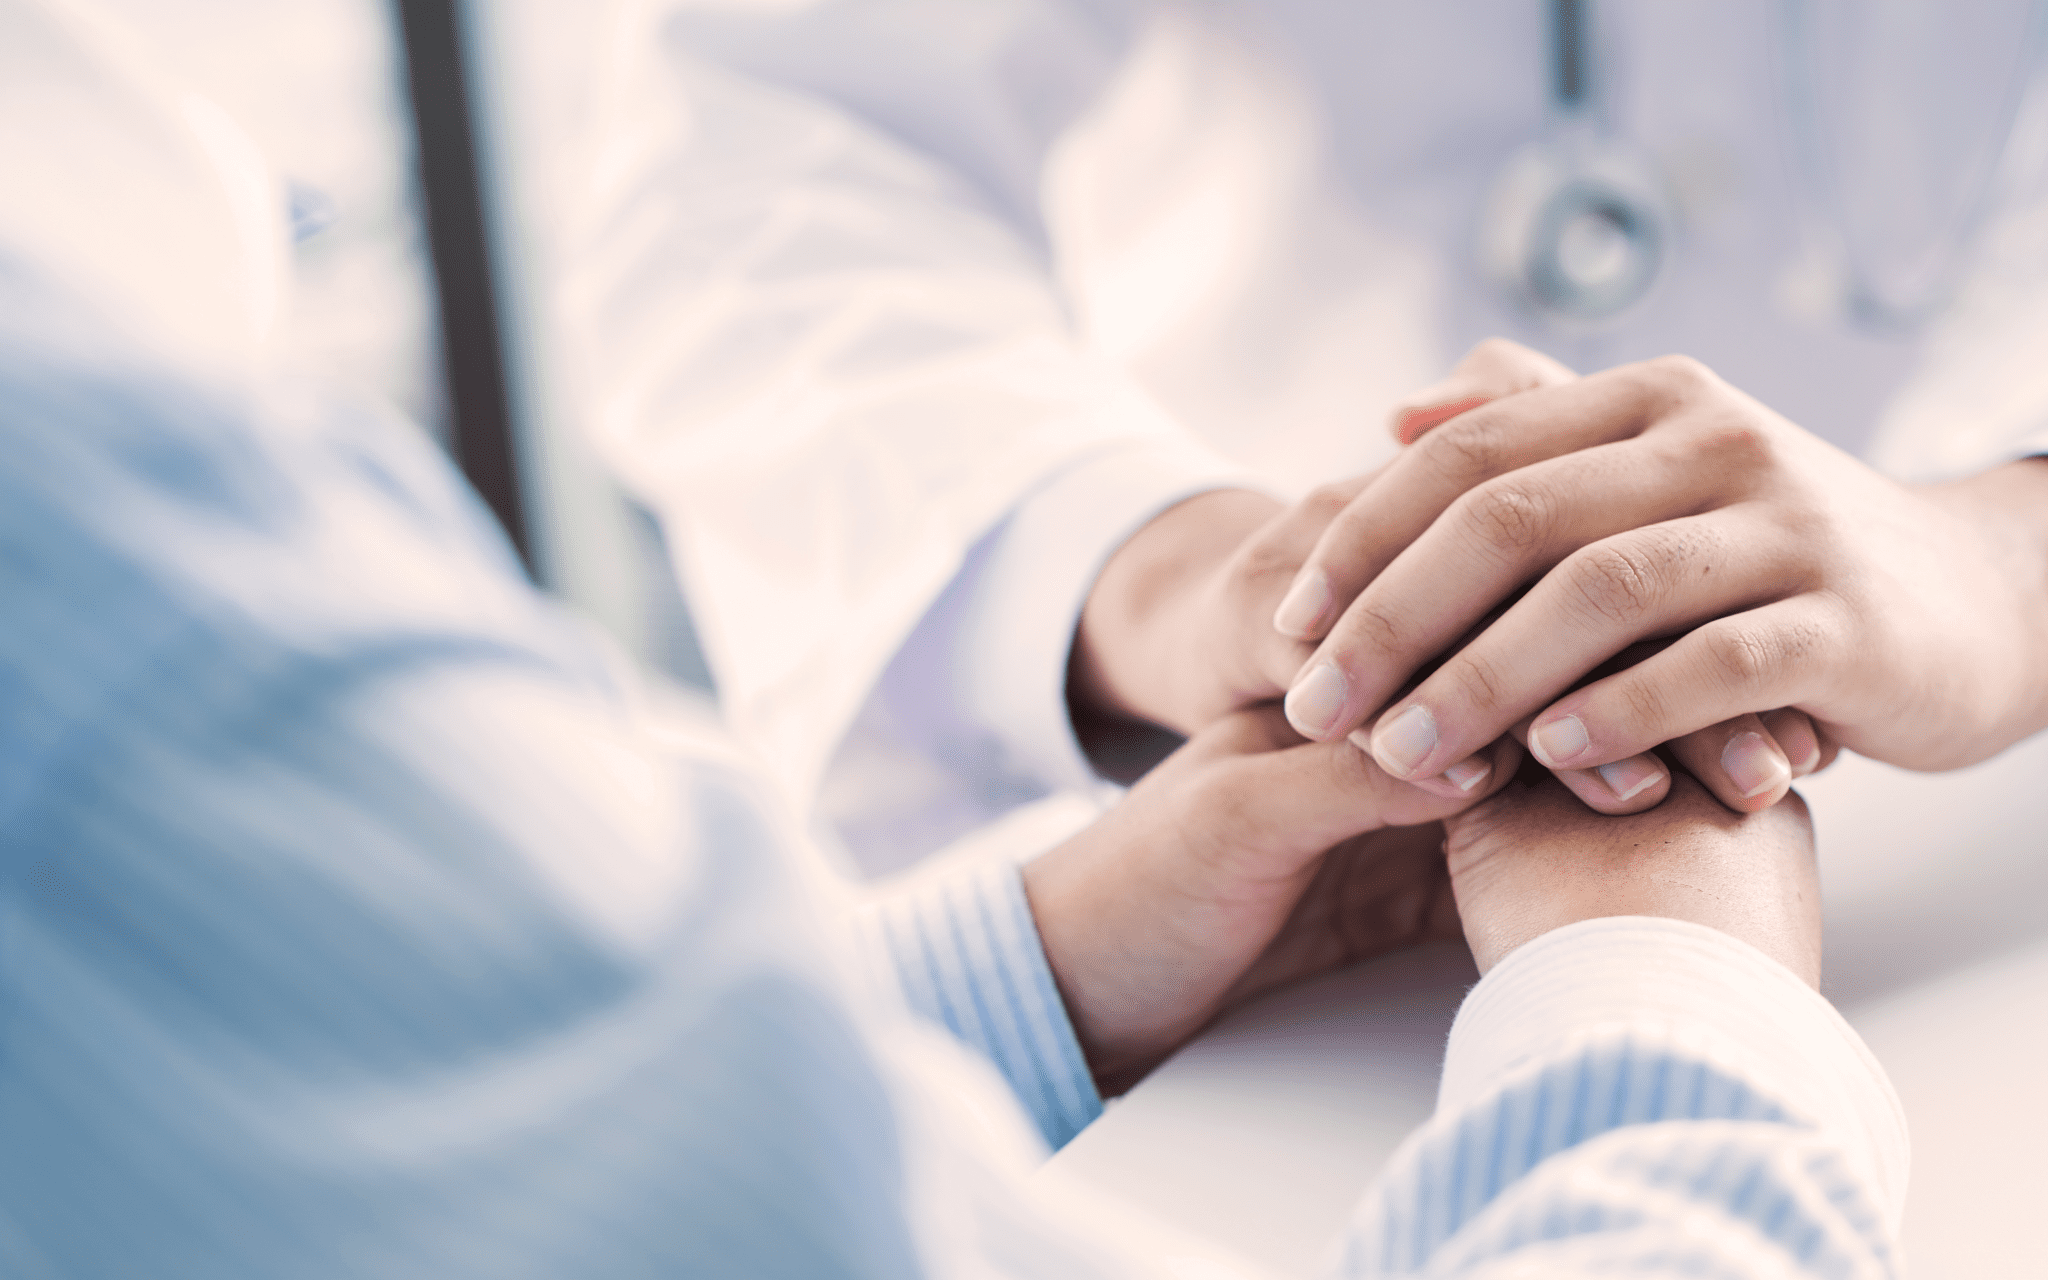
(443, 89)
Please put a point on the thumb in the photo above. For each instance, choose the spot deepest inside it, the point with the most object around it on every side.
(1493, 370)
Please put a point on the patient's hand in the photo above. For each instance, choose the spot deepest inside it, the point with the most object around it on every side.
(1531, 859)
(1247, 859)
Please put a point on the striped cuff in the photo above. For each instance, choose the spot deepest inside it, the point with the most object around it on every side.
(966, 951)
(1639, 1096)
(1729, 1002)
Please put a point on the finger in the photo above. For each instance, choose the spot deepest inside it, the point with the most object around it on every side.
(1379, 892)
(1495, 538)
(1830, 748)
(1662, 579)
(1796, 736)
(1461, 779)
(1271, 560)
(1414, 489)
(1739, 760)
(1493, 370)
(1298, 801)
(1778, 655)
(1626, 786)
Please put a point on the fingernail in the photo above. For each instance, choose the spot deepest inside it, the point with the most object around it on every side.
(1629, 778)
(1401, 744)
(1557, 742)
(1807, 764)
(1303, 606)
(1753, 764)
(1316, 700)
(1467, 774)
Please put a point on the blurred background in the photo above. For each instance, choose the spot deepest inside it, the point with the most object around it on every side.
(424, 143)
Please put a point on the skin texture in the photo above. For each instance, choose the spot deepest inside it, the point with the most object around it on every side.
(1531, 859)
(1176, 630)
(1654, 501)
(1246, 860)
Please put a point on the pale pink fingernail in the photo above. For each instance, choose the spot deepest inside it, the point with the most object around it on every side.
(1303, 606)
(1467, 774)
(1754, 765)
(1404, 742)
(1807, 763)
(1556, 743)
(1629, 778)
(1316, 700)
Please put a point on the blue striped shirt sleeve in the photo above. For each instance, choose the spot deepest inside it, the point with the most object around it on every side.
(1644, 1097)
(965, 949)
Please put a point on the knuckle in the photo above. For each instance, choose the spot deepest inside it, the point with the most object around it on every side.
(1615, 582)
(1681, 373)
(1743, 657)
(1260, 562)
(1642, 702)
(1372, 627)
(1514, 516)
(1732, 445)
(1325, 502)
(1761, 657)
(1806, 640)
(1470, 447)
(1483, 684)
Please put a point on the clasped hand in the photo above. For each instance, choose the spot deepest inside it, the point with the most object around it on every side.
(1588, 566)
(1249, 859)
(1540, 527)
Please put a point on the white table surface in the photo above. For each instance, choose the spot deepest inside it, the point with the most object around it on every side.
(1261, 1135)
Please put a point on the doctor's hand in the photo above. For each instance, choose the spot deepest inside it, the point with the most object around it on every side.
(1532, 859)
(1655, 501)
(1247, 859)
(1176, 630)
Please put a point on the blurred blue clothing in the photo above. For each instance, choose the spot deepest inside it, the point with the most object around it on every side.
(357, 920)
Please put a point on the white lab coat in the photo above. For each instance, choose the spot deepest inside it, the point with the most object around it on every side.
(904, 314)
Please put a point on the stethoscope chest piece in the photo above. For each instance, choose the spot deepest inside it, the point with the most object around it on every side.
(1577, 229)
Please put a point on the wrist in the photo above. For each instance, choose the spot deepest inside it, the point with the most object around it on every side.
(2007, 506)
(1072, 897)
(1531, 861)
(1138, 652)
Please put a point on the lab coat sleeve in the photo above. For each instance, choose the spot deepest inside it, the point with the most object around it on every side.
(827, 344)
(1978, 394)
(1644, 1096)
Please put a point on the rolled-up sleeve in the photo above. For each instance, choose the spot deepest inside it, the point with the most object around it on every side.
(1645, 1097)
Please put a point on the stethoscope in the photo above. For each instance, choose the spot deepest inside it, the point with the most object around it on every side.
(1579, 227)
